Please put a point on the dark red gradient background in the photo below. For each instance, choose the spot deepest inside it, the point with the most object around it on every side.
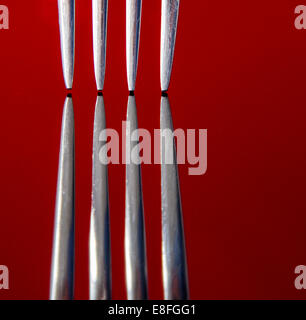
(239, 71)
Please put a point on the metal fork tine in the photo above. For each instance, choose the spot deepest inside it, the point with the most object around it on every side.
(99, 239)
(175, 279)
(99, 24)
(62, 269)
(66, 11)
(133, 22)
(135, 243)
(170, 10)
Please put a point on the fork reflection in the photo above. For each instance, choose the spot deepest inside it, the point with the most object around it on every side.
(99, 238)
(174, 266)
(62, 268)
(135, 243)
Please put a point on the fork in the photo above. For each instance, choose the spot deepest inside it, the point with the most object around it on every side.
(169, 20)
(174, 265)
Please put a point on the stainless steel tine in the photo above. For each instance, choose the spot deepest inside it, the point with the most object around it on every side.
(135, 243)
(66, 11)
(169, 18)
(99, 25)
(133, 23)
(174, 266)
(62, 269)
(99, 239)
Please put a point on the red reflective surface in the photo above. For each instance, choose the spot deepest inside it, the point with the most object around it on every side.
(239, 71)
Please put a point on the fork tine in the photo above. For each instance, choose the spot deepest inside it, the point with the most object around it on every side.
(133, 22)
(99, 239)
(66, 11)
(170, 10)
(135, 243)
(174, 264)
(99, 19)
(62, 269)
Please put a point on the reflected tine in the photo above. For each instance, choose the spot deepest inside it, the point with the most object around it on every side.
(135, 243)
(99, 239)
(170, 10)
(99, 24)
(133, 22)
(175, 279)
(62, 269)
(66, 11)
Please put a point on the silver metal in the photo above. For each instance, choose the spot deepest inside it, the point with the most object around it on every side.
(99, 28)
(66, 11)
(62, 269)
(99, 239)
(135, 243)
(170, 10)
(133, 23)
(174, 266)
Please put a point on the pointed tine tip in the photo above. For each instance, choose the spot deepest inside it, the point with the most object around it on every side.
(68, 70)
(99, 80)
(68, 84)
(164, 86)
(100, 86)
(131, 87)
(68, 74)
(100, 76)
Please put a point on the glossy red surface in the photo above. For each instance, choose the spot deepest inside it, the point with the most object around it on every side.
(239, 71)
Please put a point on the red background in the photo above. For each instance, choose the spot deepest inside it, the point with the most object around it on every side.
(239, 71)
